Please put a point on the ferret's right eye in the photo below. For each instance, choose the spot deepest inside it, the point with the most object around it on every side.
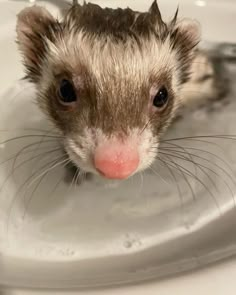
(67, 93)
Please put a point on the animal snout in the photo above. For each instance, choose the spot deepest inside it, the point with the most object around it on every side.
(116, 160)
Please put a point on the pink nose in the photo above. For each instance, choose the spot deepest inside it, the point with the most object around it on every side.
(116, 160)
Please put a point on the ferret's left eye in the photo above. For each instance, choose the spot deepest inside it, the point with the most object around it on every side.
(67, 92)
(161, 98)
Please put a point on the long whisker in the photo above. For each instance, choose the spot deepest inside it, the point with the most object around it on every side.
(41, 143)
(199, 150)
(141, 182)
(183, 150)
(208, 161)
(35, 189)
(79, 173)
(175, 179)
(217, 136)
(28, 136)
(32, 151)
(183, 175)
(200, 166)
(48, 170)
(24, 162)
(159, 175)
(75, 178)
(43, 131)
(40, 181)
(189, 173)
(196, 140)
(21, 152)
(56, 185)
(32, 179)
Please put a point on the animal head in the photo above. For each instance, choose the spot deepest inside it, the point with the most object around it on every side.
(109, 79)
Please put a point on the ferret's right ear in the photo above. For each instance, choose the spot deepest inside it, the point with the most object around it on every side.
(34, 26)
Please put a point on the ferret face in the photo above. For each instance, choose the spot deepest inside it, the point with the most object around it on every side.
(109, 80)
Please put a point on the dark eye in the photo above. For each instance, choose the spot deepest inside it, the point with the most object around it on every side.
(67, 92)
(161, 98)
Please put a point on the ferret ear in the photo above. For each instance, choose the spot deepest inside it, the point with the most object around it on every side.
(186, 33)
(191, 29)
(185, 36)
(34, 25)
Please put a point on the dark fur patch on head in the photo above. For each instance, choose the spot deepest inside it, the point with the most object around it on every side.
(123, 24)
(36, 25)
(120, 23)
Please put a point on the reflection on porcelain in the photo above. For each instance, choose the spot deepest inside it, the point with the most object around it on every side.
(200, 3)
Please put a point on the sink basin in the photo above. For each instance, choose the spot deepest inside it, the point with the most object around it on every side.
(54, 235)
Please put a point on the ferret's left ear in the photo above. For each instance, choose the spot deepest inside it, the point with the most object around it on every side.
(34, 25)
(186, 34)
(184, 38)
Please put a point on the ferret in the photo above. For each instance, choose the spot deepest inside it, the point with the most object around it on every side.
(111, 80)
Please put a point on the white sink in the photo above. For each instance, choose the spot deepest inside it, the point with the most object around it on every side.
(218, 20)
